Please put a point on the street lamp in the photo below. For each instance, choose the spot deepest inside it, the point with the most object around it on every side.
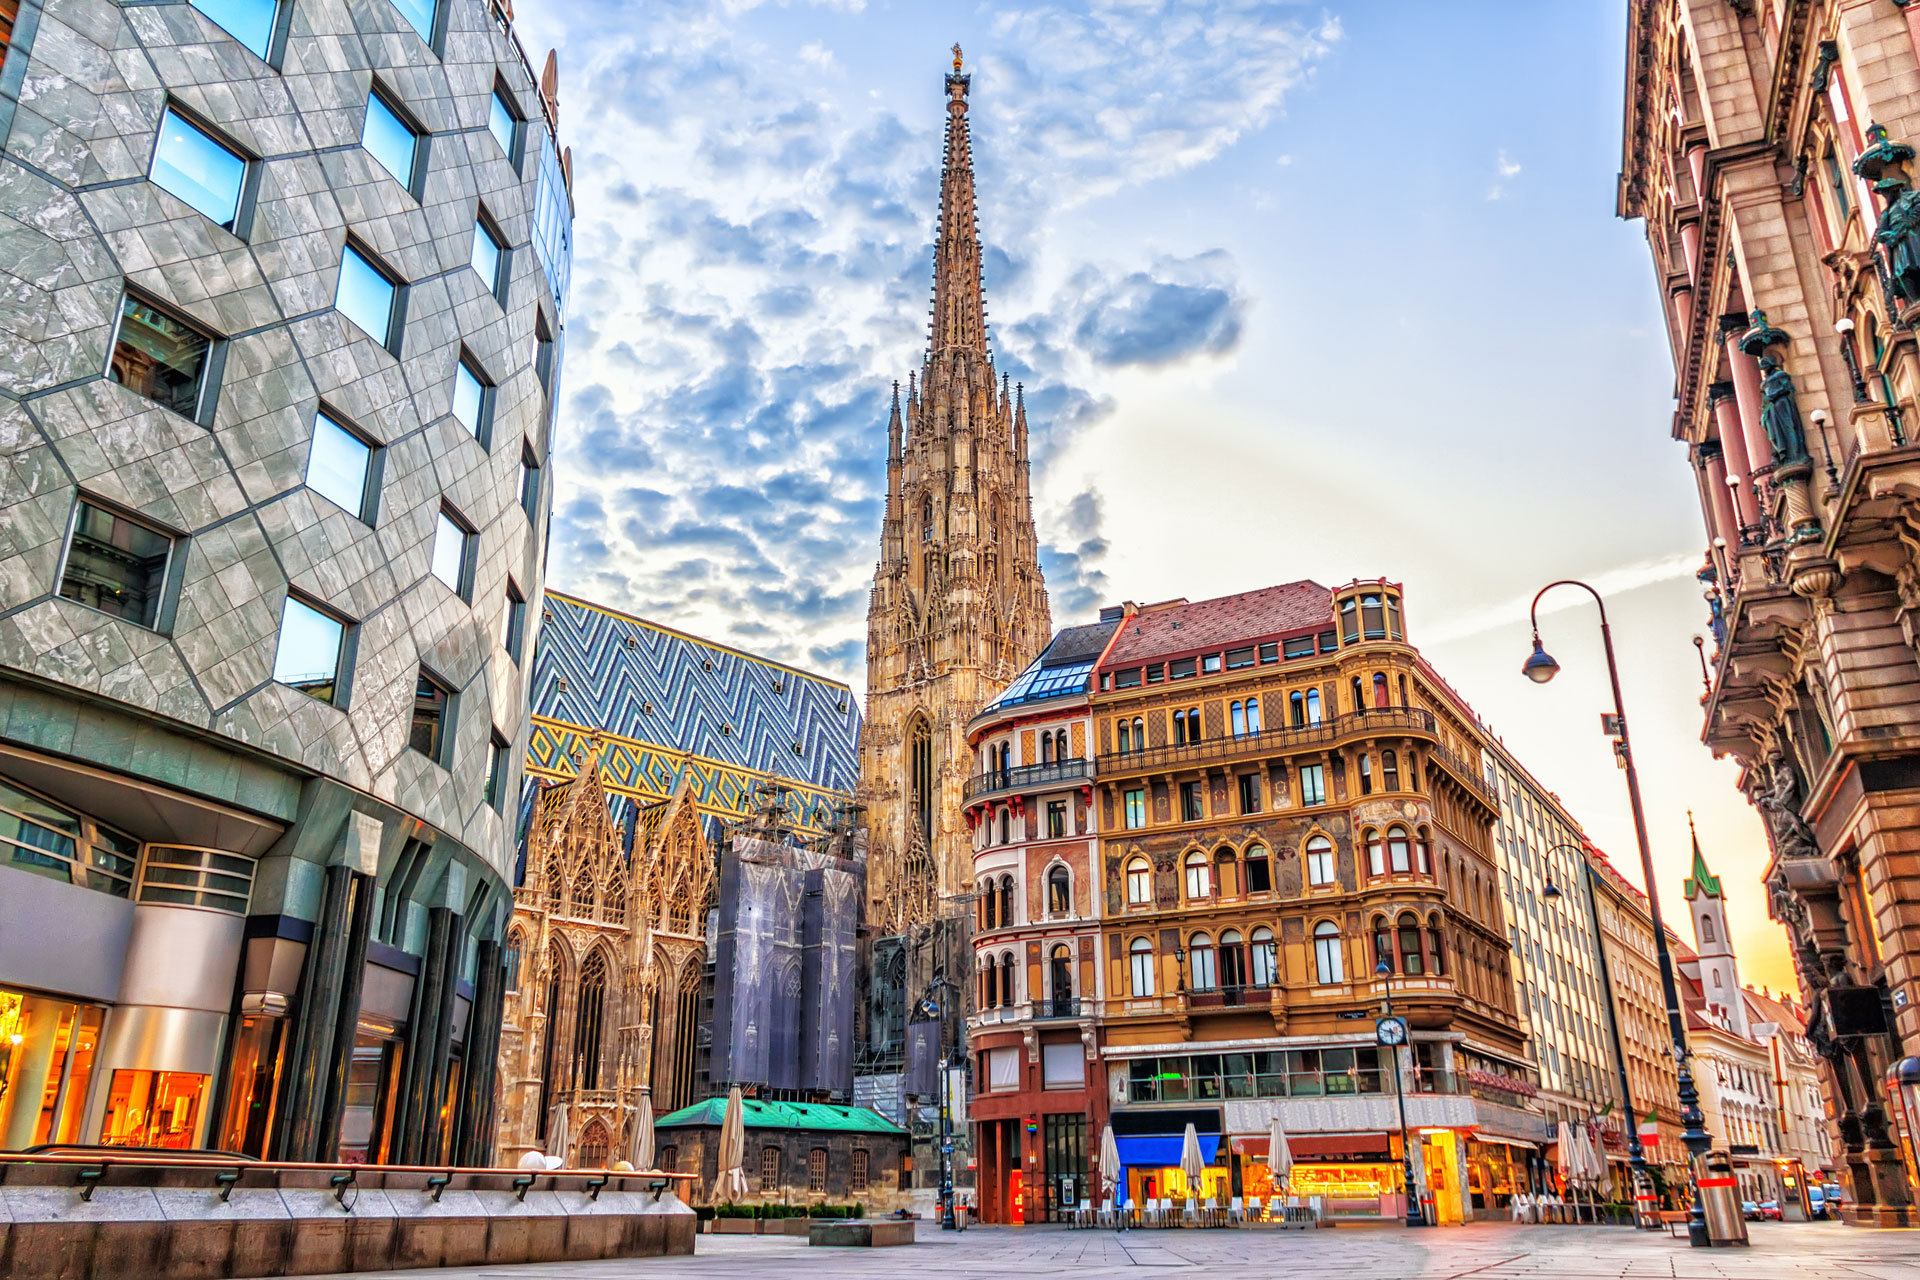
(931, 1008)
(1541, 668)
(1642, 1181)
(1391, 1033)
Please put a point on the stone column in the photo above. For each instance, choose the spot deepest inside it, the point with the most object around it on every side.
(1733, 441)
(1745, 371)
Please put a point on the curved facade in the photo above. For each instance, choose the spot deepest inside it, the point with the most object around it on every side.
(281, 340)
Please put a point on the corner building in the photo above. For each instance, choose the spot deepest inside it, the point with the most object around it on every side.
(1289, 798)
(279, 362)
(1769, 150)
(1039, 1101)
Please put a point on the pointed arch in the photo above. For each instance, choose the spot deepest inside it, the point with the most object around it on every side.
(920, 775)
(589, 1017)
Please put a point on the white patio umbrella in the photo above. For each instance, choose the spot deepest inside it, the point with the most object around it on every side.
(731, 1185)
(640, 1150)
(557, 1135)
(1192, 1163)
(1110, 1162)
(1279, 1154)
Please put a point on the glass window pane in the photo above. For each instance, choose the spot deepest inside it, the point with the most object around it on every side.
(500, 123)
(337, 464)
(388, 139)
(429, 717)
(419, 13)
(116, 566)
(191, 165)
(469, 397)
(309, 654)
(486, 255)
(449, 551)
(159, 357)
(248, 21)
(365, 296)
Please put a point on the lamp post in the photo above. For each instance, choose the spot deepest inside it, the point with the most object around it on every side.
(1642, 1181)
(942, 1010)
(1392, 1033)
(1540, 668)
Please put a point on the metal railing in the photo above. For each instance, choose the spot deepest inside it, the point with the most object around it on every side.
(1229, 997)
(1059, 1007)
(1274, 741)
(1026, 776)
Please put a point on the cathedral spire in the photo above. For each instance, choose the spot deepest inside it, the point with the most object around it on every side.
(893, 427)
(959, 309)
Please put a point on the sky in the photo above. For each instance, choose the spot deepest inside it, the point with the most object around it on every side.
(1296, 291)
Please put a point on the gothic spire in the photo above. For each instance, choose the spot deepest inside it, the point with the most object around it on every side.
(893, 427)
(959, 309)
(1701, 880)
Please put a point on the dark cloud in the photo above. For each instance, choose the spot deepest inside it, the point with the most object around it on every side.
(1179, 309)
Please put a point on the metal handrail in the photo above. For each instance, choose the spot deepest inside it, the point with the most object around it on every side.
(1275, 741)
(1020, 777)
(1062, 1007)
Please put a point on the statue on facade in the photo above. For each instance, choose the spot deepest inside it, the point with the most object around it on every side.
(1884, 164)
(1780, 413)
(1777, 797)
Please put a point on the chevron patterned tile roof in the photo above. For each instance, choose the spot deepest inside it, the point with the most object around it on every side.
(668, 704)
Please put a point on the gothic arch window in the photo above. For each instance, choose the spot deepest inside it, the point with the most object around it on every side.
(613, 902)
(556, 882)
(516, 944)
(926, 519)
(589, 1011)
(594, 1146)
(920, 775)
(582, 895)
(680, 911)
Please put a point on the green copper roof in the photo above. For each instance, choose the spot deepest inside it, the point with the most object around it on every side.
(784, 1115)
(1701, 880)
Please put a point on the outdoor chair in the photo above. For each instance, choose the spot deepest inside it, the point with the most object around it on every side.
(1083, 1217)
(1105, 1218)
(1254, 1212)
(1223, 1209)
(1189, 1212)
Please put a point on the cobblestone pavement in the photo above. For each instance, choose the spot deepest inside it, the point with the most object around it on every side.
(1485, 1251)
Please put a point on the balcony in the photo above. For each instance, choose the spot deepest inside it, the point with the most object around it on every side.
(1230, 998)
(1272, 742)
(1059, 1007)
(1027, 777)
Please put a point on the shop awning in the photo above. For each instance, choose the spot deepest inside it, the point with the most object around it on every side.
(1321, 1146)
(1161, 1150)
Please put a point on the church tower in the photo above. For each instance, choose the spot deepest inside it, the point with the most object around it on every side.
(958, 605)
(1719, 971)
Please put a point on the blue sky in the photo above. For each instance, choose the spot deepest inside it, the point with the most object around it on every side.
(1296, 291)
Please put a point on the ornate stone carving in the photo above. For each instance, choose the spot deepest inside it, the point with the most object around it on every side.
(1778, 799)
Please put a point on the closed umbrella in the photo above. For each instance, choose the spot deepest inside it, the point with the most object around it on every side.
(731, 1185)
(557, 1136)
(640, 1151)
(1279, 1154)
(1192, 1164)
(1110, 1169)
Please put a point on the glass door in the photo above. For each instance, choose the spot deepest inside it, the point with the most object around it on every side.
(1064, 1159)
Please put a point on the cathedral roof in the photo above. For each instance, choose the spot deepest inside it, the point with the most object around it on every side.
(1187, 626)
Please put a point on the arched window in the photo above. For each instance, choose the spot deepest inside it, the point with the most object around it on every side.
(986, 989)
(1253, 715)
(1006, 824)
(920, 772)
(1237, 718)
(556, 884)
(1410, 958)
(1140, 957)
(1266, 958)
(582, 906)
(1382, 944)
(1313, 706)
(613, 903)
(926, 519)
(586, 1022)
(1060, 976)
(1421, 854)
(1009, 990)
(1200, 963)
(1381, 698)
(1366, 774)
(1372, 618)
(1233, 959)
(1436, 944)
(769, 1169)
(1397, 850)
(1390, 770)
(1059, 891)
(1059, 744)
(1706, 929)
(1376, 853)
(1139, 734)
(1199, 876)
(1326, 952)
(1226, 871)
(594, 1145)
(1319, 861)
(1297, 709)
(516, 942)
(1139, 881)
(1359, 694)
(1126, 736)
(1006, 902)
(989, 901)
(1046, 748)
(668, 1160)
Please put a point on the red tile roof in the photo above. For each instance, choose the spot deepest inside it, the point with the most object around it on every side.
(1188, 627)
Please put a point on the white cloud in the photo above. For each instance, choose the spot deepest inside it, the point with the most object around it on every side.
(1608, 582)
(1507, 168)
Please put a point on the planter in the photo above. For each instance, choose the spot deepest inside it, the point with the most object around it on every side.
(733, 1227)
(858, 1233)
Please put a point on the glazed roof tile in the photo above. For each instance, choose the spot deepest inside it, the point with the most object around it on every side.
(1185, 626)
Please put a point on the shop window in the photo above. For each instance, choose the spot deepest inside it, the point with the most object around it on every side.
(1258, 869)
(47, 1049)
(1139, 881)
(251, 22)
(1319, 858)
(196, 878)
(45, 839)
(154, 1109)
(165, 358)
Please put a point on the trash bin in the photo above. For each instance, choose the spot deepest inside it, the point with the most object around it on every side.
(1720, 1198)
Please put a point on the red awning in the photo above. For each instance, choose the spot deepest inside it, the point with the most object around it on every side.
(1321, 1145)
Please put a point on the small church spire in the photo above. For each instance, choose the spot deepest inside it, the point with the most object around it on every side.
(1020, 421)
(1700, 880)
(893, 426)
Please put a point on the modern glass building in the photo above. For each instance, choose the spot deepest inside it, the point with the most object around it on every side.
(283, 307)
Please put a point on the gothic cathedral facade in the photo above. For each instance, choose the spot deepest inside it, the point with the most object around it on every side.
(958, 606)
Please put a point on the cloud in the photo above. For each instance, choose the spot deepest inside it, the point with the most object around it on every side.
(1608, 582)
(1506, 167)
(752, 260)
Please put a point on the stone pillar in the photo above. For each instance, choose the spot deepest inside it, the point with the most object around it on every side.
(474, 1143)
(1690, 245)
(429, 1028)
(1746, 393)
(1733, 441)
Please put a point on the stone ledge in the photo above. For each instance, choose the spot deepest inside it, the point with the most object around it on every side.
(860, 1234)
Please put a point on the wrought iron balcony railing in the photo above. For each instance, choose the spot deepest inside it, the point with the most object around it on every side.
(1060, 1007)
(1026, 777)
(1275, 741)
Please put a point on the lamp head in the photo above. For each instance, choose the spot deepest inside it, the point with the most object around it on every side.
(1540, 667)
(1383, 968)
(1551, 891)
